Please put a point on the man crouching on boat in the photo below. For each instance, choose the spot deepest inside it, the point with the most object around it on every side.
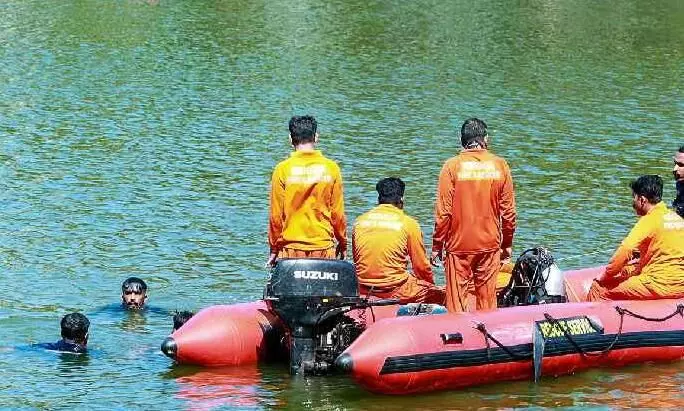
(659, 237)
(383, 240)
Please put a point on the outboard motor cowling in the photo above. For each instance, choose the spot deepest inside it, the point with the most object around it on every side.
(535, 279)
(311, 297)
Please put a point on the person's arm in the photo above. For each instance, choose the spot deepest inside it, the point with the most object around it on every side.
(641, 231)
(443, 205)
(276, 213)
(339, 220)
(416, 250)
(508, 214)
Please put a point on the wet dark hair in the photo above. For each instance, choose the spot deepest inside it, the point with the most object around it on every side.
(180, 318)
(75, 326)
(303, 129)
(473, 130)
(134, 284)
(649, 186)
(681, 149)
(390, 190)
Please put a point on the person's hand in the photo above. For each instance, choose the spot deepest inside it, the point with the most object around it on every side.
(341, 252)
(506, 255)
(271, 260)
(601, 279)
(435, 258)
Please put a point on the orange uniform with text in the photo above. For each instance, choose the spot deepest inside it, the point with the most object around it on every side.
(383, 241)
(307, 207)
(659, 273)
(474, 219)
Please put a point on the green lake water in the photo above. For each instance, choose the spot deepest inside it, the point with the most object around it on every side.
(137, 138)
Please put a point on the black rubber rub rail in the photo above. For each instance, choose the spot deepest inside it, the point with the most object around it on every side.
(554, 348)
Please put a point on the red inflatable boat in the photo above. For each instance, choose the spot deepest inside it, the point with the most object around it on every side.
(407, 355)
(247, 333)
(219, 335)
(240, 334)
(419, 353)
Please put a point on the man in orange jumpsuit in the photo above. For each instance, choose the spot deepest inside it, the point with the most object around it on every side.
(383, 240)
(474, 220)
(307, 203)
(659, 237)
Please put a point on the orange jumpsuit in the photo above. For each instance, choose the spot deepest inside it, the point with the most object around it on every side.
(659, 236)
(474, 219)
(383, 241)
(307, 207)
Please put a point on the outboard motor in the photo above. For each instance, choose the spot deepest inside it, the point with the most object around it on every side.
(311, 296)
(535, 279)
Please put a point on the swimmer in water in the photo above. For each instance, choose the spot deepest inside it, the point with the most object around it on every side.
(133, 293)
(180, 318)
(74, 335)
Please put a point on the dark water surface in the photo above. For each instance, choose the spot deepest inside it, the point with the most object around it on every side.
(137, 138)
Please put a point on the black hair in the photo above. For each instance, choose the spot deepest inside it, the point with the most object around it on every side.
(681, 149)
(75, 326)
(134, 284)
(390, 190)
(303, 129)
(649, 186)
(180, 318)
(678, 203)
(473, 130)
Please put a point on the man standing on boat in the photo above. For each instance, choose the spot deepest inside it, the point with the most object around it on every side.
(475, 220)
(306, 203)
(383, 240)
(659, 237)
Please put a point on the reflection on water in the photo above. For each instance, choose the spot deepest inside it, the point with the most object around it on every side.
(73, 364)
(239, 388)
(133, 321)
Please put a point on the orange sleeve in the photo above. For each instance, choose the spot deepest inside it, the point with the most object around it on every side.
(416, 250)
(508, 214)
(339, 220)
(277, 202)
(641, 231)
(443, 204)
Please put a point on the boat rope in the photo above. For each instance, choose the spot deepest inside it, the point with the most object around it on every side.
(622, 312)
(483, 329)
(574, 343)
(679, 310)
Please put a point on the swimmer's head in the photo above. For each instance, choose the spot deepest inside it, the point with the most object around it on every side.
(134, 293)
(75, 328)
(180, 318)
